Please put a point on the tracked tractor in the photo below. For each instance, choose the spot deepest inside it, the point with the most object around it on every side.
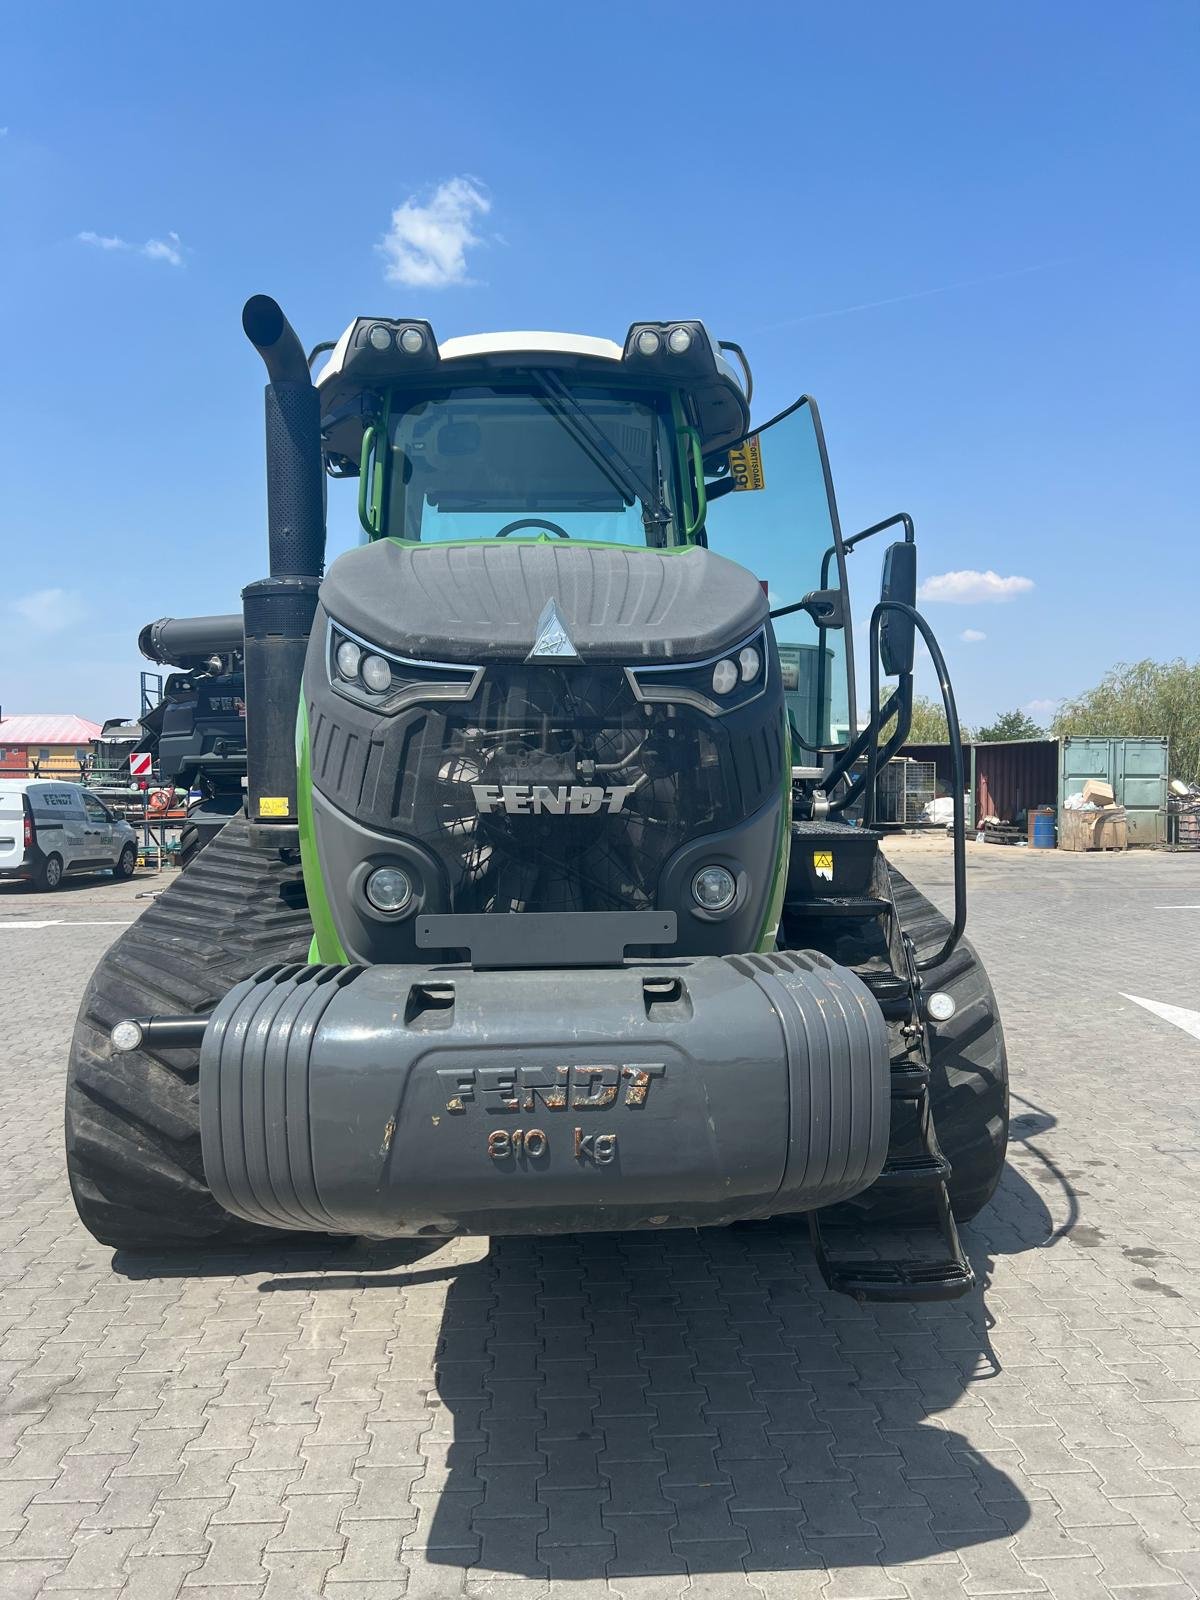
(556, 902)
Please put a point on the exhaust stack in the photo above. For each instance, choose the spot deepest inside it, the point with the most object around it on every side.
(278, 611)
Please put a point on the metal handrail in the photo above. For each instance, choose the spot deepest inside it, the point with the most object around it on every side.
(957, 768)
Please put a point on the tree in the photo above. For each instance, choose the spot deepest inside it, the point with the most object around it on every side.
(1143, 699)
(1010, 725)
(929, 721)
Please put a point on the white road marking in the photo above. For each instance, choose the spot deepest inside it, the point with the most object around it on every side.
(61, 922)
(1177, 908)
(1189, 1021)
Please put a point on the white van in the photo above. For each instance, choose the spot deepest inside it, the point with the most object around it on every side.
(48, 829)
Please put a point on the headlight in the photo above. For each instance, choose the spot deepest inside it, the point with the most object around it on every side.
(725, 677)
(376, 674)
(389, 889)
(714, 888)
(648, 342)
(379, 337)
(370, 676)
(717, 686)
(679, 341)
(411, 341)
(348, 658)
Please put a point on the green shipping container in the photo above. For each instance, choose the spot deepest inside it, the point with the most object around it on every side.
(1137, 771)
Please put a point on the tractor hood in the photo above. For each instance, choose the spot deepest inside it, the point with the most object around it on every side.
(473, 603)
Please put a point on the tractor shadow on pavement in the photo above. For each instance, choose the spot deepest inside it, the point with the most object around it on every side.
(608, 1406)
(657, 1404)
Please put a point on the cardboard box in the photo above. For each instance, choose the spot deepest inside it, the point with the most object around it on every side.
(1098, 792)
(1093, 830)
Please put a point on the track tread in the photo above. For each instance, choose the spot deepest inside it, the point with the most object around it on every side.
(969, 1064)
(133, 1121)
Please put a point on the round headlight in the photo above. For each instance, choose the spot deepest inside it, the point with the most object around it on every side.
(725, 677)
(679, 340)
(348, 658)
(940, 1006)
(379, 337)
(648, 342)
(376, 674)
(411, 341)
(714, 888)
(389, 888)
(748, 660)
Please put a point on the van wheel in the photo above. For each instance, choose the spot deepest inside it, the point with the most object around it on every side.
(127, 865)
(49, 874)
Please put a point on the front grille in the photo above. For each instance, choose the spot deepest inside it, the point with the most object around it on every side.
(554, 731)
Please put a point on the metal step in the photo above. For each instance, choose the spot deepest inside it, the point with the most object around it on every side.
(910, 1079)
(835, 905)
(905, 1171)
(900, 1280)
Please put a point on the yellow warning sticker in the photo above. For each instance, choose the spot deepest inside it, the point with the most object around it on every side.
(273, 805)
(823, 864)
(745, 462)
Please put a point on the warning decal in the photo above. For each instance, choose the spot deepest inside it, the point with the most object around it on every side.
(745, 462)
(823, 864)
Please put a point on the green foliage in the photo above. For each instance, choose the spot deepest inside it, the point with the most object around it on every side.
(1143, 699)
(929, 722)
(1010, 725)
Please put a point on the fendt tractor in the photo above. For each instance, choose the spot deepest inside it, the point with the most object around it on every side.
(556, 901)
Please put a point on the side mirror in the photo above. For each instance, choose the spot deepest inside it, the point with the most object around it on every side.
(897, 636)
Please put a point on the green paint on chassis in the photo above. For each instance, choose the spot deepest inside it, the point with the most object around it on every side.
(550, 909)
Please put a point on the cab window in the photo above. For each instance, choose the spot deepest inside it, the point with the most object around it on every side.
(532, 460)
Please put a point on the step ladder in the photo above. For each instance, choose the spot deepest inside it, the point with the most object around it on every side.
(936, 1268)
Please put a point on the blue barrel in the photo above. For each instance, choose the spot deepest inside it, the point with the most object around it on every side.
(1041, 828)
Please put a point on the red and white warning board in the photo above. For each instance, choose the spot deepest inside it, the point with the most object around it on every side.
(139, 764)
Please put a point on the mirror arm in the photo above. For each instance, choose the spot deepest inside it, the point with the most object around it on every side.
(826, 607)
(958, 774)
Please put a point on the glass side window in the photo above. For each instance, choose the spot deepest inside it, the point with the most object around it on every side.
(95, 811)
(539, 460)
(781, 526)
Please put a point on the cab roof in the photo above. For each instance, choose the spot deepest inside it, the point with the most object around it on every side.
(715, 393)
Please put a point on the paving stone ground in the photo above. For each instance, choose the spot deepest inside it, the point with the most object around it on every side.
(645, 1416)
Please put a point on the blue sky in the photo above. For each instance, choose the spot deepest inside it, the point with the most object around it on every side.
(970, 231)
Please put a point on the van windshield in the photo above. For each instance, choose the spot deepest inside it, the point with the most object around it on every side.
(532, 459)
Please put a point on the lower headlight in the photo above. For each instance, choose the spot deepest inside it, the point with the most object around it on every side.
(389, 888)
(714, 888)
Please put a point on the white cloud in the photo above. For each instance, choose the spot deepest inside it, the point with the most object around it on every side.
(972, 636)
(426, 245)
(102, 241)
(1041, 708)
(972, 588)
(169, 249)
(50, 610)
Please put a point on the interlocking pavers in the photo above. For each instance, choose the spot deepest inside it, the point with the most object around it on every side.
(639, 1415)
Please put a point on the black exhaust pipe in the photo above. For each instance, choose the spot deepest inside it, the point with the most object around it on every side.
(278, 611)
(187, 641)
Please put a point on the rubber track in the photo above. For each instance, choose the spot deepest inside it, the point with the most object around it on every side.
(969, 1085)
(133, 1121)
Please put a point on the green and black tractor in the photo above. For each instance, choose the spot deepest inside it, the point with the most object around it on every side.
(556, 902)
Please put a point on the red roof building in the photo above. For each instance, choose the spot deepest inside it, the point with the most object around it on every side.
(52, 742)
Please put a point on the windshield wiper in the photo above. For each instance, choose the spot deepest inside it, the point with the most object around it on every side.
(620, 471)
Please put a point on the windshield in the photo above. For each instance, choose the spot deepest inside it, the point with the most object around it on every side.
(779, 522)
(531, 460)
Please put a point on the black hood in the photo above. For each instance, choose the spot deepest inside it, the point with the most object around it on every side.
(480, 602)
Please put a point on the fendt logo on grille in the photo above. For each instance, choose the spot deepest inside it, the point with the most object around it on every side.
(558, 800)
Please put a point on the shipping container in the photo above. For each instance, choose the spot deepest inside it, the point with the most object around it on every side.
(1011, 779)
(1137, 771)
